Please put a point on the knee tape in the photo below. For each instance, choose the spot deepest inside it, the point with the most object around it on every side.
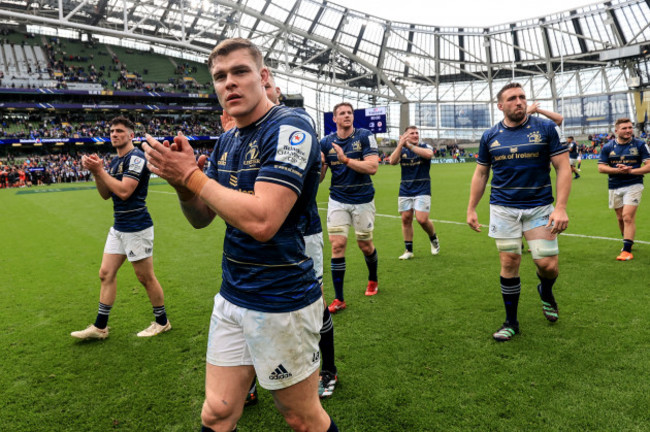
(338, 230)
(509, 245)
(364, 235)
(543, 248)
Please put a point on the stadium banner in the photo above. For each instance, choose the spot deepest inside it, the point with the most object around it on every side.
(452, 160)
(76, 106)
(41, 91)
(602, 110)
(97, 140)
(373, 119)
(464, 116)
(426, 114)
(571, 110)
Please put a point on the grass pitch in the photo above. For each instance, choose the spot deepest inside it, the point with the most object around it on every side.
(417, 357)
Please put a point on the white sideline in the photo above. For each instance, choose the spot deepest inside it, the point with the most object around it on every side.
(324, 209)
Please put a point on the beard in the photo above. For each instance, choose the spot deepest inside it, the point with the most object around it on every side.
(517, 116)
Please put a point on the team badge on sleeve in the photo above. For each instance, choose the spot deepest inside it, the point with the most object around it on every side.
(136, 164)
(294, 146)
(373, 142)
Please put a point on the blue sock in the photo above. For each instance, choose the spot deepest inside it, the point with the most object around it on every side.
(160, 314)
(627, 245)
(102, 315)
(371, 263)
(338, 275)
(510, 290)
(333, 427)
(545, 289)
(409, 246)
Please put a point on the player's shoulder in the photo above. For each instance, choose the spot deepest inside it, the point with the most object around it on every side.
(328, 139)
(492, 131)
(361, 132)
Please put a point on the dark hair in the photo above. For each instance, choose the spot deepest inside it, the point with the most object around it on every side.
(339, 105)
(507, 87)
(621, 121)
(121, 120)
(569, 137)
(410, 127)
(227, 46)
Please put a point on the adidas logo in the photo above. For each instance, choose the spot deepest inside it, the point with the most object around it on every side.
(131, 254)
(280, 373)
(495, 144)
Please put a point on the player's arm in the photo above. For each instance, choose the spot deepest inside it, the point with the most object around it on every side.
(106, 184)
(259, 215)
(476, 190)
(367, 165)
(559, 220)
(396, 155)
(323, 167)
(423, 152)
(556, 118)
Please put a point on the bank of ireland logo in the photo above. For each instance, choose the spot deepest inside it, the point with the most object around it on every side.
(297, 138)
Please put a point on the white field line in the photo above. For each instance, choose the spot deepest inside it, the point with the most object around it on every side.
(324, 209)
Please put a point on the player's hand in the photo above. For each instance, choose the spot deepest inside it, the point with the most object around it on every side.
(402, 140)
(227, 122)
(174, 162)
(532, 108)
(558, 221)
(339, 152)
(92, 163)
(472, 220)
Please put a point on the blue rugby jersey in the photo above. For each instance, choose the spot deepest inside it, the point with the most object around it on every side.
(573, 150)
(415, 173)
(349, 186)
(520, 158)
(281, 148)
(131, 215)
(631, 154)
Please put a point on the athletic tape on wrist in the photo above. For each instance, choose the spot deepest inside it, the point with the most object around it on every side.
(196, 181)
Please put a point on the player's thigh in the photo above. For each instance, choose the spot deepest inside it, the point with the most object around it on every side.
(111, 263)
(405, 204)
(338, 214)
(284, 345)
(534, 222)
(615, 200)
(138, 245)
(363, 217)
(628, 212)
(227, 344)
(632, 195)
(301, 399)
(423, 203)
(225, 390)
(505, 223)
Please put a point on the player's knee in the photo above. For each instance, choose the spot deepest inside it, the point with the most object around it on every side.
(214, 413)
(106, 275)
(542, 248)
(509, 245)
(364, 236)
(295, 421)
(423, 220)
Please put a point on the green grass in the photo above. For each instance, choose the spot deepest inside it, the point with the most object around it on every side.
(417, 357)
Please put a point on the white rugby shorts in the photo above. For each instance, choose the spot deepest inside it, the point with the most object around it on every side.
(420, 203)
(360, 216)
(283, 347)
(628, 195)
(511, 222)
(135, 245)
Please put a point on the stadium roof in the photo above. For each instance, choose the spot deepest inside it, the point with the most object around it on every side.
(321, 41)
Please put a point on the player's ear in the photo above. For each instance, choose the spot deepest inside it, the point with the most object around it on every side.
(264, 73)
